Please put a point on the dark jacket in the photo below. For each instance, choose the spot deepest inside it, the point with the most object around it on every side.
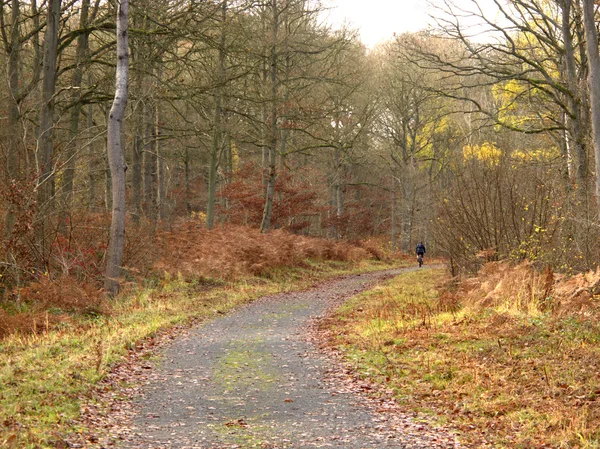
(420, 249)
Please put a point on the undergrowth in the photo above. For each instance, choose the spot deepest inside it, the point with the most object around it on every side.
(47, 300)
(511, 358)
(71, 337)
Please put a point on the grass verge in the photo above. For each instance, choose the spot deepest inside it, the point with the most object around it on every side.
(44, 376)
(503, 376)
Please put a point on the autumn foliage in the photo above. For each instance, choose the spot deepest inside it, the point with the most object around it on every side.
(242, 200)
(521, 289)
(72, 279)
(235, 251)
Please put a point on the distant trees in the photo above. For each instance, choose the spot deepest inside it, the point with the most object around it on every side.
(255, 112)
(518, 77)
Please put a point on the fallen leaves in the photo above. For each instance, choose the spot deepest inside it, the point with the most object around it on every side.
(237, 423)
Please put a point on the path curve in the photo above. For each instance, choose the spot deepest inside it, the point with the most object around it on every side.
(253, 379)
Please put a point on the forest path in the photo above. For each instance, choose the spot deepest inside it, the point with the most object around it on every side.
(254, 379)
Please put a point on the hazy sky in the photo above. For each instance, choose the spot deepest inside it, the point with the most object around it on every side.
(379, 19)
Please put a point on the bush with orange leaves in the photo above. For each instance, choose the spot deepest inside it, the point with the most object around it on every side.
(231, 252)
(293, 207)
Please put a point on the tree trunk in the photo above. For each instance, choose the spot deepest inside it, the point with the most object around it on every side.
(45, 154)
(575, 124)
(591, 42)
(186, 171)
(217, 140)
(149, 160)
(13, 132)
(76, 82)
(136, 175)
(394, 230)
(116, 155)
(46, 144)
(265, 225)
(408, 200)
(161, 191)
(92, 158)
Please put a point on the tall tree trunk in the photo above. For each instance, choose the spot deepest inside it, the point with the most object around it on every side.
(408, 201)
(116, 155)
(575, 124)
(139, 113)
(186, 171)
(161, 191)
(217, 138)
(394, 225)
(149, 160)
(76, 82)
(46, 143)
(13, 132)
(264, 138)
(45, 185)
(137, 157)
(591, 43)
(339, 184)
(265, 225)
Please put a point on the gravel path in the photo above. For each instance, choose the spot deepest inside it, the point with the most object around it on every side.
(254, 379)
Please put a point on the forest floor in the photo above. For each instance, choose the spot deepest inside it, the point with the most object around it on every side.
(256, 377)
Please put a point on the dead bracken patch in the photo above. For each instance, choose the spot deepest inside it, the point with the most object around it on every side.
(511, 357)
(235, 251)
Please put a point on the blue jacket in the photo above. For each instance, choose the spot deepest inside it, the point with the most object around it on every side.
(420, 249)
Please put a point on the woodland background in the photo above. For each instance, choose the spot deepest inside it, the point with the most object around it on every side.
(266, 151)
(476, 136)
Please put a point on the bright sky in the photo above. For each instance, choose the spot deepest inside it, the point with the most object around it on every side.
(378, 20)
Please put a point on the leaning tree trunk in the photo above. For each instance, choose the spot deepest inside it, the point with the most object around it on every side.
(591, 42)
(116, 155)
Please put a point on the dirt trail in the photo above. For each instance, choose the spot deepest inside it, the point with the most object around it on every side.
(253, 379)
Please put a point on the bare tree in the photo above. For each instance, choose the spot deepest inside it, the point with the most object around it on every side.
(116, 154)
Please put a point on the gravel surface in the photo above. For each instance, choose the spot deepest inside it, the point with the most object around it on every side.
(256, 378)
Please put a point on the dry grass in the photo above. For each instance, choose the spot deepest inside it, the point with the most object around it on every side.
(233, 252)
(510, 358)
(189, 251)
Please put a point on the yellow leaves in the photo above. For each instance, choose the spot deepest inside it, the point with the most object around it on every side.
(487, 153)
(235, 157)
(506, 93)
(516, 100)
(490, 155)
(538, 155)
(200, 216)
